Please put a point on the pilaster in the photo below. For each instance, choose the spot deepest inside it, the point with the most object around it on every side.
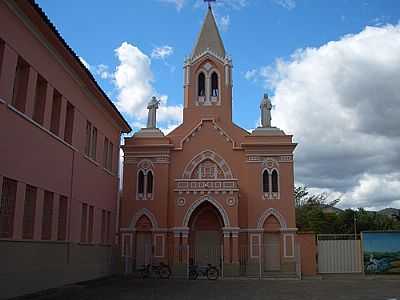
(37, 234)
(30, 92)
(48, 106)
(19, 210)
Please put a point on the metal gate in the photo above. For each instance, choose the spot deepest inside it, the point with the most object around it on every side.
(339, 253)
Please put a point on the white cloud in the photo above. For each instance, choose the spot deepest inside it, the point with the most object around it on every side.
(228, 4)
(100, 70)
(342, 103)
(178, 3)
(251, 74)
(133, 80)
(375, 191)
(162, 52)
(103, 72)
(288, 4)
(224, 22)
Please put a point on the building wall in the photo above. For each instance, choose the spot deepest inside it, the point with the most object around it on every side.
(308, 248)
(32, 154)
(210, 128)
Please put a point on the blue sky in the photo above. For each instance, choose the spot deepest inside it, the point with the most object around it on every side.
(283, 47)
(259, 32)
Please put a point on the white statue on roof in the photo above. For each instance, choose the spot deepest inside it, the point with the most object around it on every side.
(151, 117)
(265, 107)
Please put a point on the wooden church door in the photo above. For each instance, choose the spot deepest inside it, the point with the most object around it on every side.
(272, 252)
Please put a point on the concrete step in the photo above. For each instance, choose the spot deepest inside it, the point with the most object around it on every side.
(279, 275)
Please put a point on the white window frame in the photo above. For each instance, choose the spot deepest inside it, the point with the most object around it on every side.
(269, 195)
(162, 245)
(285, 246)
(124, 254)
(145, 195)
(258, 236)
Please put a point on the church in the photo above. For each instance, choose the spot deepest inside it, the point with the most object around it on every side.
(209, 192)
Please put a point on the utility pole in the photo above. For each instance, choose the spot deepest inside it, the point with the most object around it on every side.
(355, 226)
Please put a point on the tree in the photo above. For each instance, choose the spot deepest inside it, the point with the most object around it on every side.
(311, 217)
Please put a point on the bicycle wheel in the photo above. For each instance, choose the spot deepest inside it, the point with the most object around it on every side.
(193, 275)
(212, 273)
(165, 272)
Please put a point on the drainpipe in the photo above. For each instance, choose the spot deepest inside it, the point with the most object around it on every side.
(117, 212)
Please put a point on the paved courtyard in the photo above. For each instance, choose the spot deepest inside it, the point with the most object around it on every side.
(137, 289)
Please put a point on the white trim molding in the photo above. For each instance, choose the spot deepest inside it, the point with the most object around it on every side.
(218, 206)
(145, 166)
(231, 231)
(285, 246)
(144, 212)
(202, 156)
(258, 244)
(178, 231)
(123, 236)
(156, 235)
(197, 128)
(271, 212)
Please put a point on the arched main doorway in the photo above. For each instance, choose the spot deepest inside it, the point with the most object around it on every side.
(205, 235)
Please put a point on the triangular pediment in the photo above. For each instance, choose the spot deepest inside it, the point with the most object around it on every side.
(195, 131)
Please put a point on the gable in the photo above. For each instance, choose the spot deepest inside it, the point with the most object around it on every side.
(211, 126)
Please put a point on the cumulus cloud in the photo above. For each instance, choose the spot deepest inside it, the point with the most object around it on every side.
(342, 103)
(288, 4)
(228, 4)
(162, 52)
(134, 82)
(178, 3)
(224, 22)
(251, 74)
(103, 71)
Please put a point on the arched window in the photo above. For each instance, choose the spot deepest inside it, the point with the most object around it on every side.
(201, 84)
(265, 181)
(149, 182)
(274, 181)
(141, 182)
(214, 84)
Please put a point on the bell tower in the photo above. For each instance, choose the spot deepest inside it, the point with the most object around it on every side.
(208, 76)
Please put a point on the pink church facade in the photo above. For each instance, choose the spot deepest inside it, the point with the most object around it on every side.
(222, 194)
(60, 139)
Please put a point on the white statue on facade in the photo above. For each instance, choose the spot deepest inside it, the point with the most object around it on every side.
(152, 107)
(265, 107)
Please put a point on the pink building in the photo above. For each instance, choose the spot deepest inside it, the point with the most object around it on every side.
(210, 192)
(59, 151)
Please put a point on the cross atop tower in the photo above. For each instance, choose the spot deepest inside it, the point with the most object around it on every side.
(209, 2)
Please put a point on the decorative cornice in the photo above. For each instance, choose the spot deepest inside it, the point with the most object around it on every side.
(265, 157)
(155, 158)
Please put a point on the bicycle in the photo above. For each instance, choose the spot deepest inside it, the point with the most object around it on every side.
(163, 271)
(210, 271)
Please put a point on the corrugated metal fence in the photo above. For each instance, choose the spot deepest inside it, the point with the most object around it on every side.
(339, 253)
